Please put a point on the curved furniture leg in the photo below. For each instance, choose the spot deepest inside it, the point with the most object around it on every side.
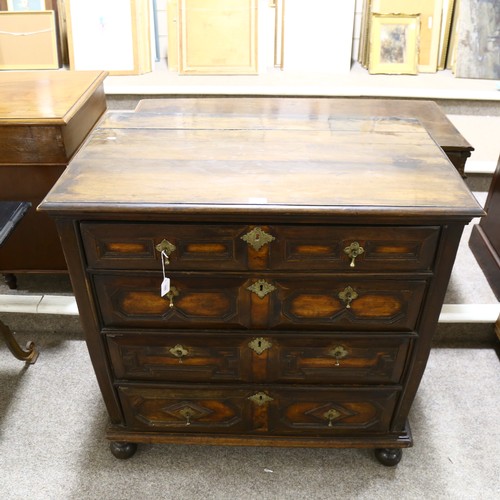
(122, 449)
(30, 354)
(389, 456)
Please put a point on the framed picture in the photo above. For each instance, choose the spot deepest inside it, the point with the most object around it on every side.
(430, 12)
(28, 40)
(23, 5)
(394, 44)
(120, 36)
(218, 37)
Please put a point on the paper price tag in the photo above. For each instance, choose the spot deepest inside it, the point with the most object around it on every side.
(165, 286)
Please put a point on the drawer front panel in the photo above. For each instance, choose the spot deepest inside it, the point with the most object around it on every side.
(285, 358)
(362, 249)
(342, 360)
(135, 301)
(334, 412)
(230, 248)
(133, 246)
(354, 304)
(239, 302)
(278, 411)
(185, 410)
(181, 358)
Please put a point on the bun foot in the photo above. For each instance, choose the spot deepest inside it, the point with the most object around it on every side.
(122, 450)
(389, 456)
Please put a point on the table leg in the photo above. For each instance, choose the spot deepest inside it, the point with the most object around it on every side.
(30, 354)
(10, 280)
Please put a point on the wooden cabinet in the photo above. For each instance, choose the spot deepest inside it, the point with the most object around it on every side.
(485, 237)
(308, 259)
(44, 118)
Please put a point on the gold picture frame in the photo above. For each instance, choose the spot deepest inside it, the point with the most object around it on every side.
(394, 40)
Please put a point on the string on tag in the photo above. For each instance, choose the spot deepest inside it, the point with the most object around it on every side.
(165, 284)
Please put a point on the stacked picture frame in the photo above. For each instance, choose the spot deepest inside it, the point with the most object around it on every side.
(30, 35)
(405, 37)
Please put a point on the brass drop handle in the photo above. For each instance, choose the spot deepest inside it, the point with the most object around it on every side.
(331, 415)
(347, 296)
(338, 352)
(173, 292)
(352, 251)
(166, 249)
(179, 352)
(187, 413)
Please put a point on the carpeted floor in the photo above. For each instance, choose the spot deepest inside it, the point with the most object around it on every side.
(52, 422)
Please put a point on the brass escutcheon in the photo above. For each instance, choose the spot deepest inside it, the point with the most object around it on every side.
(257, 238)
(347, 296)
(259, 345)
(353, 250)
(260, 399)
(261, 288)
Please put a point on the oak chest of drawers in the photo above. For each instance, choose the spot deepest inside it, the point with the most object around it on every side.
(307, 262)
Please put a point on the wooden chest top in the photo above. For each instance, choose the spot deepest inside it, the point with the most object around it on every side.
(45, 97)
(46, 115)
(139, 162)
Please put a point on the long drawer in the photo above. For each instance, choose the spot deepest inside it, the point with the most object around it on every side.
(243, 302)
(223, 357)
(239, 247)
(278, 410)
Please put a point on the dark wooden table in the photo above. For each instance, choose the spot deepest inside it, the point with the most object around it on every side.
(11, 212)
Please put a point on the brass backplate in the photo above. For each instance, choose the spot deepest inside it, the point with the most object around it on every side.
(165, 246)
(257, 238)
(260, 399)
(261, 288)
(259, 345)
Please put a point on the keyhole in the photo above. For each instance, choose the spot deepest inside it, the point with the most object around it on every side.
(261, 287)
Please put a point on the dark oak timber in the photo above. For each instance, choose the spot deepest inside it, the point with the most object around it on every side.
(428, 113)
(308, 259)
(485, 237)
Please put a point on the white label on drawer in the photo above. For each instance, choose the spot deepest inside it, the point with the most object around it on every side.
(165, 286)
